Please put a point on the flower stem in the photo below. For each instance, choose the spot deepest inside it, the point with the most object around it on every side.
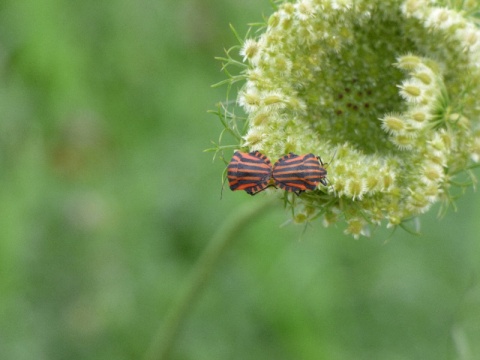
(163, 341)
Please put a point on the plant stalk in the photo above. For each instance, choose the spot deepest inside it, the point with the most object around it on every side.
(163, 341)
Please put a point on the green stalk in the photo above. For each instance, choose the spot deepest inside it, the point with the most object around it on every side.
(163, 341)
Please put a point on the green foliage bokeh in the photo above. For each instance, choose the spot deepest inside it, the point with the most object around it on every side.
(107, 200)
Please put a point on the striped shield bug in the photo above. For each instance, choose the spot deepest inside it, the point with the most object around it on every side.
(249, 171)
(298, 173)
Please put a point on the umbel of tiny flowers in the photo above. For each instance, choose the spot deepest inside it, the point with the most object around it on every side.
(391, 87)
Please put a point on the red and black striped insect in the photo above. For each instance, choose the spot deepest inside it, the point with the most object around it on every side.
(298, 173)
(249, 171)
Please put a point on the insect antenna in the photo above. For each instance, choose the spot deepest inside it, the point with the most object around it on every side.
(326, 164)
(224, 179)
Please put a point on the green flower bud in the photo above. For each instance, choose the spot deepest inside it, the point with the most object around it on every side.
(392, 87)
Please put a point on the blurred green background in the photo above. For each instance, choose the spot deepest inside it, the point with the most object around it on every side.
(107, 200)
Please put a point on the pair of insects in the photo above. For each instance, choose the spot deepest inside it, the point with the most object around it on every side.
(253, 172)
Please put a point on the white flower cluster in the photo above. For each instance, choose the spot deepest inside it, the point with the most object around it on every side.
(391, 87)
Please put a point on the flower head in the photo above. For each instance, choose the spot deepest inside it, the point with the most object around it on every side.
(392, 87)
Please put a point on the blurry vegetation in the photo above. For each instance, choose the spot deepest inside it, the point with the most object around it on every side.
(107, 200)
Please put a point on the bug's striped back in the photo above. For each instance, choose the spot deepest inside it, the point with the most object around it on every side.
(297, 173)
(249, 171)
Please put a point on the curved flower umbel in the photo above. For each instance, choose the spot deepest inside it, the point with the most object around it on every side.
(391, 87)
